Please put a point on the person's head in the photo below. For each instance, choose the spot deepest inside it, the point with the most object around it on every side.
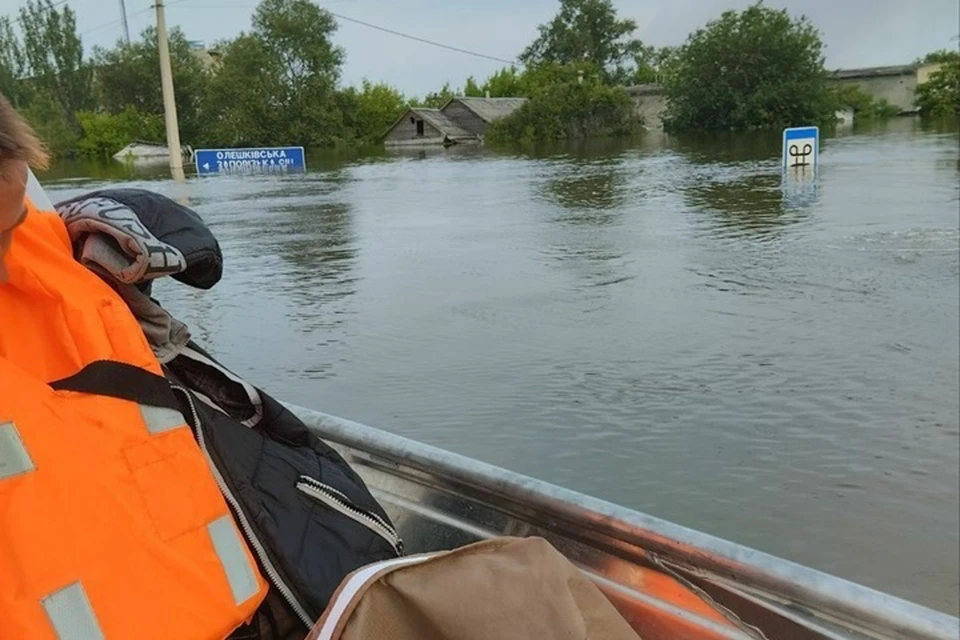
(19, 147)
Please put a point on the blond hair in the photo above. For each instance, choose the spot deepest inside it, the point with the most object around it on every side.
(17, 138)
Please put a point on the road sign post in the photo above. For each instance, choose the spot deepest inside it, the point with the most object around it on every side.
(801, 149)
(801, 160)
(249, 160)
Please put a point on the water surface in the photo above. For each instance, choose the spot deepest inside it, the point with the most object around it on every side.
(658, 324)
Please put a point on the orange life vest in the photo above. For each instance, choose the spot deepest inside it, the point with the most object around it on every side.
(111, 522)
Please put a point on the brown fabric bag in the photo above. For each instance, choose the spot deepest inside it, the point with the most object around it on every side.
(500, 589)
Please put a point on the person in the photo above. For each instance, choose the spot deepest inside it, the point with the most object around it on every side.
(111, 519)
(19, 147)
(132, 504)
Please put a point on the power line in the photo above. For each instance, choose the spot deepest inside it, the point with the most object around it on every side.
(114, 22)
(423, 40)
(369, 25)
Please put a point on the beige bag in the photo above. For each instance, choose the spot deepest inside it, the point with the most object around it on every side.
(499, 589)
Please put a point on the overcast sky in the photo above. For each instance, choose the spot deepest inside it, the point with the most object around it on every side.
(857, 32)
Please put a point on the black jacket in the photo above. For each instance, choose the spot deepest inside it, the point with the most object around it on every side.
(305, 513)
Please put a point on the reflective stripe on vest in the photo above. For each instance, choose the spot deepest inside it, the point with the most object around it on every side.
(160, 419)
(71, 615)
(226, 540)
(14, 459)
(113, 523)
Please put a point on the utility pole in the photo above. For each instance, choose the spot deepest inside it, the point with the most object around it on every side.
(126, 27)
(169, 104)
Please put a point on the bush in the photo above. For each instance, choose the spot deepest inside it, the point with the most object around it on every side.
(105, 133)
(864, 106)
(569, 110)
(50, 121)
(758, 68)
(939, 96)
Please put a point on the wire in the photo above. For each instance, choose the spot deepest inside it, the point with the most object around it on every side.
(423, 40)
(369, 25)
(114, 22)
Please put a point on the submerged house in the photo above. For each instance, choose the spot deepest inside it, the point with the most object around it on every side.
(475, 114)
(426, 127)
(461, 120)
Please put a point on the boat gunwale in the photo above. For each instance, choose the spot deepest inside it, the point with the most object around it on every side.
(822, 593)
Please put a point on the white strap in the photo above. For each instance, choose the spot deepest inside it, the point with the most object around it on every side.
(355, 583)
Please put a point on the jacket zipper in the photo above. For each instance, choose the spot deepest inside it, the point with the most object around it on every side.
(334, 499)
(258, 547)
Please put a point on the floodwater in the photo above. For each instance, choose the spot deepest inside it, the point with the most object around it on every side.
(661, 325)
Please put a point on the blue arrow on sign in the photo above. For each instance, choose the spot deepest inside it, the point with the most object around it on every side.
(249, 160)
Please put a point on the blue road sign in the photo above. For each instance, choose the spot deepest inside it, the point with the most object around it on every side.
(251, 160)
(801, 148)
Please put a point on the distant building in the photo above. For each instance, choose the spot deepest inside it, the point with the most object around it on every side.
(475, 114)
(209, 58)
(420, 126)
(897, 84)
(461, 120)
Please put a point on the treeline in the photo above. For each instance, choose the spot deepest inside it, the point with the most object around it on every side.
(279, 82)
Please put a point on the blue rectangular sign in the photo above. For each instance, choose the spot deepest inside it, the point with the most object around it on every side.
(801, 148)
(249, 160)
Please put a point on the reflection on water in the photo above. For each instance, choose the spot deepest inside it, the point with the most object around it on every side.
(753, 205)
(662, 323)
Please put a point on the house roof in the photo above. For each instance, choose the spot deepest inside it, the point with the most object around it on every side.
(438, 120)
(489, 109)
(874, 72)
(435, 119)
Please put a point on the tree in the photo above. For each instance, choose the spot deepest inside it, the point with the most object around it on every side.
(13, 65)
(567, 102)
(939, 96)
(504, 83)
(437, 99)
(940, 55)
(106, 133)
(758, 68)
(587, 31)
(277, 84)
(54, 59)
(129, 76)
(369, 112)
(472, 89)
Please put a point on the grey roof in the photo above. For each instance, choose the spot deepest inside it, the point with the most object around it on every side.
(442, 123)
(874, 72)
(489, 109)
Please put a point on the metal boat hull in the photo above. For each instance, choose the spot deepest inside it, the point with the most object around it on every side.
(668, 581)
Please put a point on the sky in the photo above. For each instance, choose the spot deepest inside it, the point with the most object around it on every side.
(857, 33)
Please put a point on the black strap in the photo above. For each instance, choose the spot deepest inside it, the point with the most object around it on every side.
(120, 380)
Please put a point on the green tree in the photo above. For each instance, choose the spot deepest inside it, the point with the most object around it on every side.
(368, 113)
(504, 83)
(54, 58)
(940, 55)
(758, 68)
(106, 133)
(13, 65)
(587, 31)
(129, 76)
(277, 84)
(939, 96)
(47, 117)
(567, 102)
(437, 99)
(244, 97)
(472, 89)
